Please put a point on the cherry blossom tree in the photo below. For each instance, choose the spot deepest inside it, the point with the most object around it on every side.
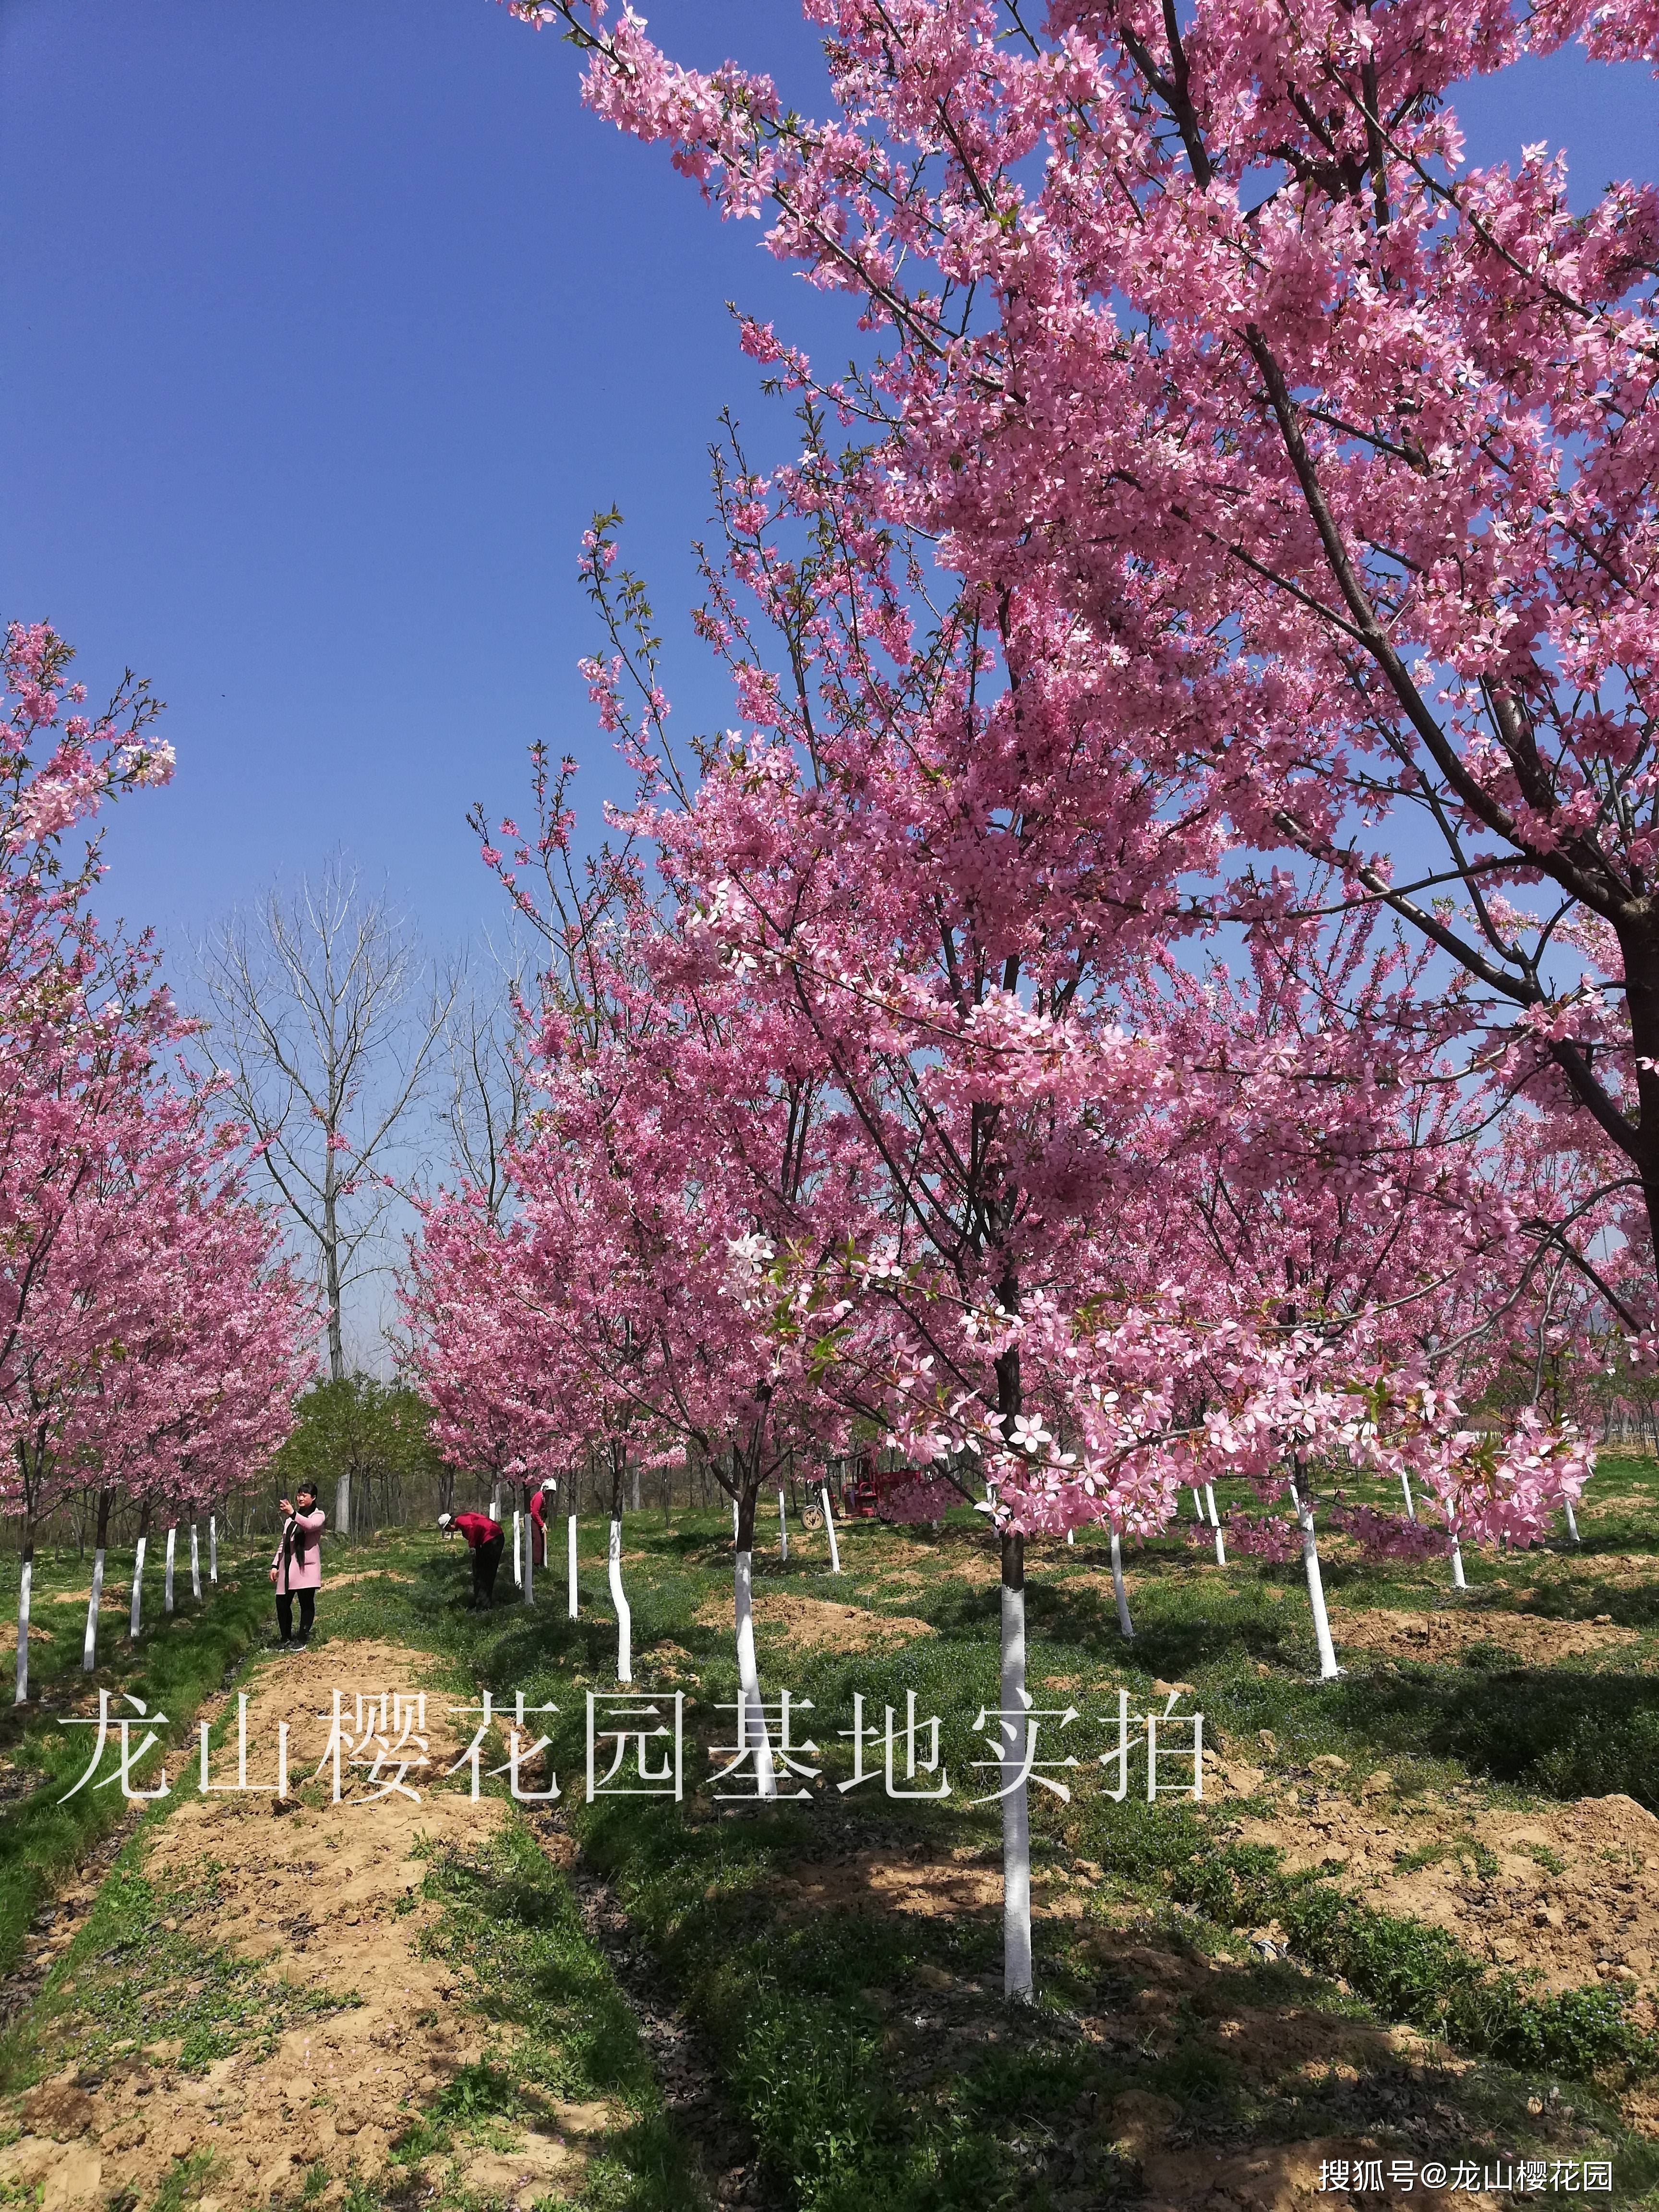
(1339, 455)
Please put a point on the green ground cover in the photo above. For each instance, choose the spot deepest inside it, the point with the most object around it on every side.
(863, 2044)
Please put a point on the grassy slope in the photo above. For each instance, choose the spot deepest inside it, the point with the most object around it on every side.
(867, 2047)
(821, 2019)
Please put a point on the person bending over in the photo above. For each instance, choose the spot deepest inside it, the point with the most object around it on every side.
(484, 1539)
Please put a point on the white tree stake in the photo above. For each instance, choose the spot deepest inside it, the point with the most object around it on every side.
(1458, 1581)
(624, 1618)
(167, 1587)
(829, 1529)
(95, 1602)
(25, 1589)
(1215, 1523)
(1119, 1590)
(572, 1567)
(137, 1588)
(213, 1549)
(1329, 1669)
(783, 1530)
(753, 1727)
(195, 1565)
(1016, 1811)
(529, 1582)
(517, 1567)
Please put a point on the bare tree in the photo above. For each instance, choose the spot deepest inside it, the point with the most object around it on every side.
(485, 1105)
(325, 1018)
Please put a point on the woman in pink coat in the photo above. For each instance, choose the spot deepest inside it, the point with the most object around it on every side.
(297, 1569)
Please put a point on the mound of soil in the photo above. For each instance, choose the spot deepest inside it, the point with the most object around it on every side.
(817, 1624)
(1448, 1635)
(320, 1895)
(1572, 1890)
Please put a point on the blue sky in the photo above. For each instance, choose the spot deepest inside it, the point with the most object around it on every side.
(330, 323)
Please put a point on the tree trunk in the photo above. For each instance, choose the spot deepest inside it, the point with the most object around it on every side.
(1572, 1522)
(518, 1558)
(95, 1596)
(1329, 1669)
(138, 1550)
(342, 1503)
(1120, 1590)
(1017, 1981)
(830, 1530)
(337, 1367)
(783, 1530)
(529, 1560)
(25, 1592)
(167, 1583)
(1458, 1581)
(618, 1598)
(195, 1565)
(753, 1728)
(1411, 1503)
(1215, 1523)
(572, 1567)
(213, 1549)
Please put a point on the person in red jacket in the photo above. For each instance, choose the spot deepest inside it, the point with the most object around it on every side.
(485, 1539)
(541, 1501)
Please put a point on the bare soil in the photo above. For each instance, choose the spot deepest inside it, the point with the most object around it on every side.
(1449, 1633)
(817, 1624)
(322, 1894)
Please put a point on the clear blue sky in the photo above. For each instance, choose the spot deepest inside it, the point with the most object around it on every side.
(329, 324)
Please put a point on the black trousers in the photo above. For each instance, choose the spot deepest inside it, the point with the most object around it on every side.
(285, 1613)
(486, 1557)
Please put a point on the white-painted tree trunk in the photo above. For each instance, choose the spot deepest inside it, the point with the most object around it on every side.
(1411, 1503)
(571, 1548)
(343, 1506)
(1458, 1581)
(1215, 1523)
(618, 1598)
(25, 1591)
(830, 1530)
(1120, 1590)
(1329, 1669)
(213, 1549)
(1015, 1809)
(734, 1519)
(1071, 1535)
(138, 1614)
(195, 1563)
(518, 1562)
(1198, 1507)
(166, 1585)
(783, 1530)
(529, 1582)
(1572, 1522)
(95, 1602)
(754, 1716)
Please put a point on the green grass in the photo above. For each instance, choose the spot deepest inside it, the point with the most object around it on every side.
(866, 2050)
(143, 1972)
(558, 2030)
(176, 1665)
(807, 2012)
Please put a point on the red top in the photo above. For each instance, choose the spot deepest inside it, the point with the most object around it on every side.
(477, 1527)
(539, 1508)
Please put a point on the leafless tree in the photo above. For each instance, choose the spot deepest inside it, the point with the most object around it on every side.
(487, 1095)
(325, 1018)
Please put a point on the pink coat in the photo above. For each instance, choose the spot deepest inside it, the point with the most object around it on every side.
(305, 1566)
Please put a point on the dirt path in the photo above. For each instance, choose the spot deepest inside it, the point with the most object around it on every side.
(323, 1901)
